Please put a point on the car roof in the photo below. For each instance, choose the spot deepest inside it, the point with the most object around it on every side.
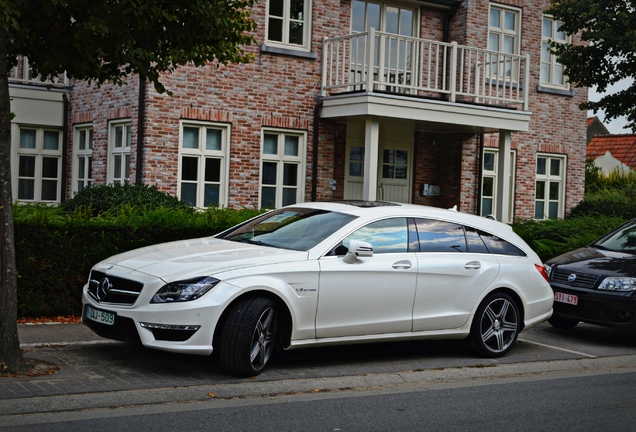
(368, 209)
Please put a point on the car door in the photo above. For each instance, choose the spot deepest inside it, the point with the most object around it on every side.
(452, 274)
(372, 295)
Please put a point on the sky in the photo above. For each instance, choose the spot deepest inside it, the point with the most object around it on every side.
(616, 125)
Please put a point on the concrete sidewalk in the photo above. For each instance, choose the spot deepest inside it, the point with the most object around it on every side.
(99, 373)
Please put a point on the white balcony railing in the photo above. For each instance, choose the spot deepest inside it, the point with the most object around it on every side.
(420, 67)
(21, 74)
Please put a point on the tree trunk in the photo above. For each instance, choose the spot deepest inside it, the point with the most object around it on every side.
(11, 359)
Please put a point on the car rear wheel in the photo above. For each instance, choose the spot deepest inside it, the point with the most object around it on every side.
(248, 337)
(562, 323)
(496, 325)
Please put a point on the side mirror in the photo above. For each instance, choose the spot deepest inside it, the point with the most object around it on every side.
(358, 248)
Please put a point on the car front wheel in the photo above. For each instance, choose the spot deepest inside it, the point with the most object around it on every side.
(496, 325)
(248, 337)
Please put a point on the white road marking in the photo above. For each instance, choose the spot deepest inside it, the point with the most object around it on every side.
(559, 348)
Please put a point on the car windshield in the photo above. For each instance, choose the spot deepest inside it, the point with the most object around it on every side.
(290, 228)
(623, 239)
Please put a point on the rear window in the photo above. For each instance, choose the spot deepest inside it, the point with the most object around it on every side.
(500, 246)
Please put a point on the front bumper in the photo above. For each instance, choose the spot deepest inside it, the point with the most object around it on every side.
(608, 309)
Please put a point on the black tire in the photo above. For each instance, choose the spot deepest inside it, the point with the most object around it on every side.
(562, 322)
(248, 337)
(496, 325)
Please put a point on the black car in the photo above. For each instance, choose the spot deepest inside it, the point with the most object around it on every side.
(597, 284)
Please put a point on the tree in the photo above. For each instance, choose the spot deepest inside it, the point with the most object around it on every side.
(608, 30)
(102, 41)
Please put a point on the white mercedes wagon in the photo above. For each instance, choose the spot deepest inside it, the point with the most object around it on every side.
(323, 274)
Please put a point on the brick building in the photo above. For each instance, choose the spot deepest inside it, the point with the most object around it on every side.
(438, 102)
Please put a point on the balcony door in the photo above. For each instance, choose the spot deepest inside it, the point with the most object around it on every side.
(393, 57)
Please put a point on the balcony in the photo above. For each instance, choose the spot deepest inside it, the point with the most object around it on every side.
(22, 74)
(376, 73)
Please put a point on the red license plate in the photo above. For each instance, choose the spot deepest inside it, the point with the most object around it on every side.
(566, 298)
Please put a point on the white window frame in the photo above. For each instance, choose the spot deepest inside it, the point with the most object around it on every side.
(287, 20)
(549, 179)
(202, 154)
(119, 156)
(504, 68)
(493, 174)
(82, 157)
(548, 60)
(39, 155)
(281, 159)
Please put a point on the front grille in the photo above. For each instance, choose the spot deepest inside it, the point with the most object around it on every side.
(582, 280)
(113, 289)
(584, 313)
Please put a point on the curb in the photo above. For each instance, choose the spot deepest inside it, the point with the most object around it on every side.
(436, 378)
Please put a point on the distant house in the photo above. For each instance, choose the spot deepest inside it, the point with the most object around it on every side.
(436, 102)
(613, 151)
(595, 127)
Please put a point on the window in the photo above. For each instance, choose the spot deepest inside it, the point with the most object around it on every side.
(119, 152)
(288, 23)
(83, 158)
(386, 236)
(203, 169)
(489, 202)
(549, 202)
(551, 71)
(282, 168)
(440, 236)
(39, 165)
(504, 30)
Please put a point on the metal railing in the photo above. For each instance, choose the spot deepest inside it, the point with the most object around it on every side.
(412, 66)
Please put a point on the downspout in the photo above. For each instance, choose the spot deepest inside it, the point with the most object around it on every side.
(447, 18)
(314, 162)
(65, 125)
(141, 129)
(480, 171)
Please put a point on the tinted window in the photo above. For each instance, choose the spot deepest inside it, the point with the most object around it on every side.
(475, 243)
(500, 246)
(440, 236)
(386, 236)
(621, 239)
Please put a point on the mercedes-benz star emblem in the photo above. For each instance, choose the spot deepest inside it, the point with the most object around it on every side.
(571, 278)
(102, 288)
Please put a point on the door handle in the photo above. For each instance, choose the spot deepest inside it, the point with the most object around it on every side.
(472, 265)
(402, 265)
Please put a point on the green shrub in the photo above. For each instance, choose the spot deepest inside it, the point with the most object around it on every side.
(553, 237)
(100, 199)
(55, 250)
(607, 202)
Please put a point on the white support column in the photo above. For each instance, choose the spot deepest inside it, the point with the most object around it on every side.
(371, 149)
(503, 177)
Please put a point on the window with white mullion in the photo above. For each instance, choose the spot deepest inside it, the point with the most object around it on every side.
(83, 158)
(550, 187)
(119, 152)
(552, 72)
(39, 165)
(203, 159)
(504, 36)
(288, 23)
(282, 169)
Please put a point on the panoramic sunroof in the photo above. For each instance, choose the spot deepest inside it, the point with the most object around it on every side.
(367, 204)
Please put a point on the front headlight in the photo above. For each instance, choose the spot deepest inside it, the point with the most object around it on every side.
(548, 269)
(618, 284)
(185, 290)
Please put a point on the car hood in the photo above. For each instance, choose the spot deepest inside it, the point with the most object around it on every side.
(197, 257)
(596, 261)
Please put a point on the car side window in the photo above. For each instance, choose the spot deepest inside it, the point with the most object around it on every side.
(474, 241)
(386, 236)
(500, 246)
(440, 236)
